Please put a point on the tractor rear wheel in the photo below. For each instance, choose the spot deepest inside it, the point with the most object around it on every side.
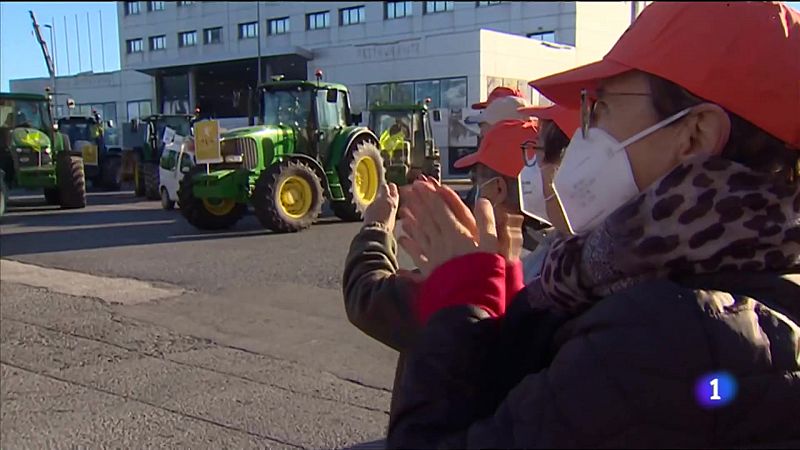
(71, 181)
(207, 214)
(151, 180)
(361, 173)
(288, 197)
(111, 173)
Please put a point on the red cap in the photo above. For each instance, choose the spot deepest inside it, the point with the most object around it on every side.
(568, 120)
(501, 147)
(743, 56)
(498, 92)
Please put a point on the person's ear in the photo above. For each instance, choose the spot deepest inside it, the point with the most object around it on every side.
(708, 128)
(502, 191)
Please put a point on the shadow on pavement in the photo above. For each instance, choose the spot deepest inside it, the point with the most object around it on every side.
(88, 229)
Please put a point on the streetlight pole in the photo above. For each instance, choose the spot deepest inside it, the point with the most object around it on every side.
(258, 31)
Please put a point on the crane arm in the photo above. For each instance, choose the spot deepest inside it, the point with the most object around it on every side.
(43, 44)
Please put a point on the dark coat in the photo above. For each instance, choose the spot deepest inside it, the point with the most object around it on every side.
(622, 374)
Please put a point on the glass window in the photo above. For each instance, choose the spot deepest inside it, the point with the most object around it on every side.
(138, 109)
(454, 93)
(187, 39)
(158, 42)
(156, 6)
(132, 8)
(436, 7)
(248, 30)
(134, 45)
(278, 26)
(480, 4)
(402, 93)
(286, 107)
(212, 35)
(352, 16)
(327, 112)
(396, 10)
(379, 94)
(318, 20)
(546, 36)
(428, 89)
(169, 159)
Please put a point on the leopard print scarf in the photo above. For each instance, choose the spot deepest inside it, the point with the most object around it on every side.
(708, 215)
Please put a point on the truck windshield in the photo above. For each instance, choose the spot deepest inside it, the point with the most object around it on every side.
(24, 113)
(287, 108)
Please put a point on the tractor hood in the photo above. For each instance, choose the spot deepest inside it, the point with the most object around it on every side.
(31, 138)
(259, 131)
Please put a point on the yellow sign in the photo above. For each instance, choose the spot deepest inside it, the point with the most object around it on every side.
(206, 147)
(89, 152)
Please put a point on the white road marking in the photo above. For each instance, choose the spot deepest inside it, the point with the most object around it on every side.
(123, 291)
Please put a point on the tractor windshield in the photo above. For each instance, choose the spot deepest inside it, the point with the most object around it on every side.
(24, 113)
(287, 108)
(392, 127)
(78, 131)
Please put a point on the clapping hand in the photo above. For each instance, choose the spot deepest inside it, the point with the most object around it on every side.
(439, 227)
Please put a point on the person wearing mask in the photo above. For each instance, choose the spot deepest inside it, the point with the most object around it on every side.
(682, 191)
(557, 123)
(383, 300)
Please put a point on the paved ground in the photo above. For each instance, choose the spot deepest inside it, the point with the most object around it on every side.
(170, 337)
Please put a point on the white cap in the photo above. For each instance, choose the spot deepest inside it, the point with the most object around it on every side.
(503, 108)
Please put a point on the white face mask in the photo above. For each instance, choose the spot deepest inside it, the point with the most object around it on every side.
(531, 193)
(595, 176)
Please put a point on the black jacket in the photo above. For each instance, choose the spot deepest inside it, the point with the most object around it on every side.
(622, 374)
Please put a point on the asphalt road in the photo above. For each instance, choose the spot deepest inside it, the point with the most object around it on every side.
(249, 347)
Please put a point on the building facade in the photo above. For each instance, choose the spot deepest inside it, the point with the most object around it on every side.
(207, 54)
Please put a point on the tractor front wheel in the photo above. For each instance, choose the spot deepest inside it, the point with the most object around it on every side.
(288, 197)
(207, 214)
(361, 173)
(138, 178)
(71, 181)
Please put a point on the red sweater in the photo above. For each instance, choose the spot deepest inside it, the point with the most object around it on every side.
(482, 279)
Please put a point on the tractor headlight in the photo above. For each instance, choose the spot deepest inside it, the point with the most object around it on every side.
(46, 150)
(233, 158)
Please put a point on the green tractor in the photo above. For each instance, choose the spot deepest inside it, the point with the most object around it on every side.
(144, 141)
(34, 155)
(307, 147)
(86, 135)
(406, 141)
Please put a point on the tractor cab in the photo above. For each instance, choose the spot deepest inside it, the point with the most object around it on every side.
(406, 141)
(315, 111)
(86, 135)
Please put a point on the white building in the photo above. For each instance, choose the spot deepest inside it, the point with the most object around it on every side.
(205, 54)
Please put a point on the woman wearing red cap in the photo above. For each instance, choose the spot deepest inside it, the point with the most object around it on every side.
(682, 280)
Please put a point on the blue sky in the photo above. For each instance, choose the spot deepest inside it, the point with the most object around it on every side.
(18, 44)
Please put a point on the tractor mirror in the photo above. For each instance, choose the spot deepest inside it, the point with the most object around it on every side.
(437, 115)
(356, 118)
(333, 96)
(110, 123)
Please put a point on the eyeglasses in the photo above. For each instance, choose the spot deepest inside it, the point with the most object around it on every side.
(529, 149)
(589, 103)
